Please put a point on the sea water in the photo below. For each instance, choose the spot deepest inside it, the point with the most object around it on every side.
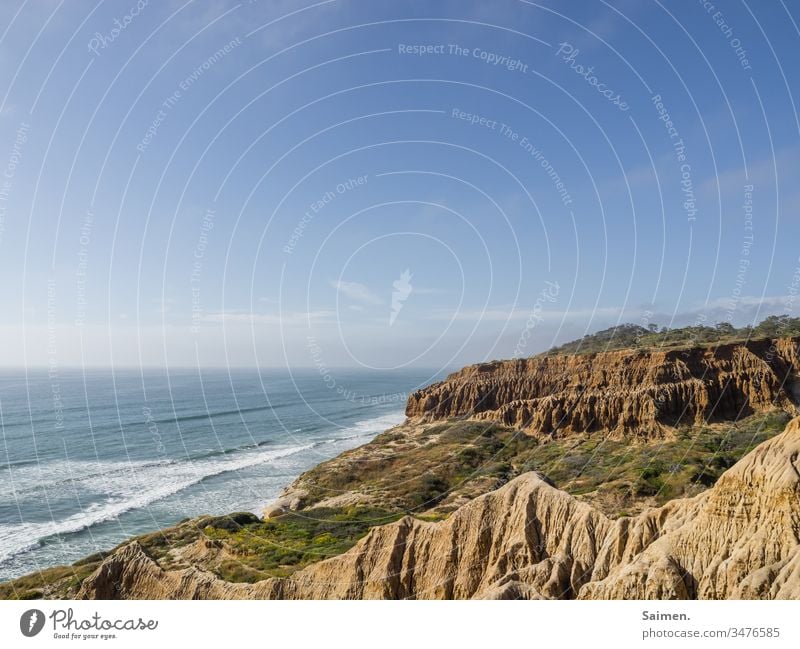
(91, 458)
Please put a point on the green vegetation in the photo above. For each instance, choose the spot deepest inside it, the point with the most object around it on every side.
(419, 472)
(631, 336)
(62, 581)
(467, 458)
(620, 478)
(428, 471)
(279, 546)
(250, 549)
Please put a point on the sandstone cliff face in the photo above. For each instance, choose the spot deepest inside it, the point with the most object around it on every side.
(740, 539)
(622, 392)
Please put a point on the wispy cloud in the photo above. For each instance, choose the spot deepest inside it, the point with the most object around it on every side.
(769, 301)
(356, 291)
(504, 313)
(745, 307)
(761, 174)
(284, 318)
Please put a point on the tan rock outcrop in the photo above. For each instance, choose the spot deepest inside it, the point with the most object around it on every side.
(739, 539)
(641, 393)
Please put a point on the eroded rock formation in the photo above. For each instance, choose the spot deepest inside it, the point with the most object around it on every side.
(739, 539)
(640, 393)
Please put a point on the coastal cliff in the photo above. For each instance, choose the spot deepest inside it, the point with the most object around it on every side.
(625, 393)
(622, 474)
(739, 539)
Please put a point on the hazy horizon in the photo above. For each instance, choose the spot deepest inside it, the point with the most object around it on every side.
(385, 185)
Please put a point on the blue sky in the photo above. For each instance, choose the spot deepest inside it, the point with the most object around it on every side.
(247, 183)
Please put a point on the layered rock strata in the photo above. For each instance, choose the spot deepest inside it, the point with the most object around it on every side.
(631, 393)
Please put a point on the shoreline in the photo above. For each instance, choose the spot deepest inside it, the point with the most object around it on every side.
(254, 507)
(208, 557)
(465, 440)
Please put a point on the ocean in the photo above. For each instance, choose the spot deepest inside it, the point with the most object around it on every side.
(89, 459)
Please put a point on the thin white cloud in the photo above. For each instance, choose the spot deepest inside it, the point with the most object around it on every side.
(356, 291)
(751, 301)
(745, 307)
(285, 318)
(761, 174)
(501, 314)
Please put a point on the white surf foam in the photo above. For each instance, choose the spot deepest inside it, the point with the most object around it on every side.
(127, 486)
(133, 487)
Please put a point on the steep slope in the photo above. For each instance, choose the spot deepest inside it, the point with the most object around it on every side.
(635, 393)
(530, 540)
(741, 540)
